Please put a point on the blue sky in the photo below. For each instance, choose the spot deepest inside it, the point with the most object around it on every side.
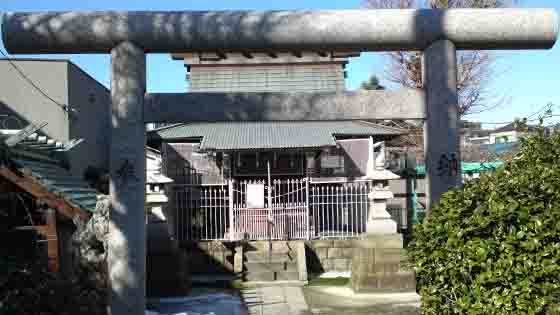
(526, 80)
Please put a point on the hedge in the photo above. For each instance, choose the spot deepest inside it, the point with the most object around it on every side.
(493, 246)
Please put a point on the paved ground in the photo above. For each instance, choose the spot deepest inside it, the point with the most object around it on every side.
(207, 302)
(342, 300)
(288, 300)
(278, 300)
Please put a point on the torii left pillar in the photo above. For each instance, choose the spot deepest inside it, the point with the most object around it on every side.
(127, 229)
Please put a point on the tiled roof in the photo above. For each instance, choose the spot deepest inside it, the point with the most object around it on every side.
(40, 157)
(270, 135)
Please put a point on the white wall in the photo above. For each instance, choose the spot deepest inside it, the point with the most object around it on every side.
(20, 100)
(512, 136)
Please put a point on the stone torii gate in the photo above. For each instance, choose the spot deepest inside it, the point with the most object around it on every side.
(128, 36)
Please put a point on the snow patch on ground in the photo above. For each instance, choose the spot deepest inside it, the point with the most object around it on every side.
(335, 274)
(210, 304)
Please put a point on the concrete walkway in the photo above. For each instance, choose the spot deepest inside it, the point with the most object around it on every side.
(293, 300)
(342, 300)
(277, 300)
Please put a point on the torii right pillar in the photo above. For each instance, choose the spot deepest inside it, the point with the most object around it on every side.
(441, 127)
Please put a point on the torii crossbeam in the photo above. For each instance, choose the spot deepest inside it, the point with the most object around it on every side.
(128, 36)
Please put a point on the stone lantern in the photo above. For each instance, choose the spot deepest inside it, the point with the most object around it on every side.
(377, 258)
(379, 220)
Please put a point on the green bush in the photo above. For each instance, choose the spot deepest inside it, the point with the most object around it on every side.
(493, 246)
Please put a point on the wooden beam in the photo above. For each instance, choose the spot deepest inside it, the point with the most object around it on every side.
(7, 186)
(41, 229)
(52, 241)
(356, 105)
(31, 186)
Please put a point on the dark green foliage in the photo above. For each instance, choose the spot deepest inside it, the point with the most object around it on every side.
(27, 288)
(372, 84)
(493, 247)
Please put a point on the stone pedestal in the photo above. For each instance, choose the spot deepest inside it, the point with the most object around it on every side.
(377, 265)
(379, 220)
(377, 259)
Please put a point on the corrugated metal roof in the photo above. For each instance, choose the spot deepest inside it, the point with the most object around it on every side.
(36, 156)
(271, 135)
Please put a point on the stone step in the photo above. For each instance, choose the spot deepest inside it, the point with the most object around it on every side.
(274, 266)
(271, 276)
(278, 283)
(264, 257)
(259, 276)
(276, 246)
(287, 275)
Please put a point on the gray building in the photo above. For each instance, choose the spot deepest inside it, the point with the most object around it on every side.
(266, 72)
(84, 112)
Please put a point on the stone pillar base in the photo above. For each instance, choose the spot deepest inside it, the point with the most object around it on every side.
(381, 226)
(377, 265)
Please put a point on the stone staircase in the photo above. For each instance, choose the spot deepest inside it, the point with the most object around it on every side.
(265, 262)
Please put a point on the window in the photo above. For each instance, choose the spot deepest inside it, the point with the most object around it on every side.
(332, 162)
(281, 163)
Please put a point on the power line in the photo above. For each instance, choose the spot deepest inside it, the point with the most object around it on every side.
(26, 78)
(509, 122)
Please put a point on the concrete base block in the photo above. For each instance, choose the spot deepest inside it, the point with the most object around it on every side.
(321, 243)
(301, 261)
(377, 265)
(272, 276)
(402, 281)
(342, 243)
(271, 267)
(334, 253)
(259, 276)
(380, 241)
(238, 259)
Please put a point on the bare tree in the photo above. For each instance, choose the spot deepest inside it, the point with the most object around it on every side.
(475, 68)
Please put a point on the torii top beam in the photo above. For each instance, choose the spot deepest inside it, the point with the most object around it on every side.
(229, 31)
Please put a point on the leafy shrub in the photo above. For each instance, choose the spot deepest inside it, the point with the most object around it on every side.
(493, 246)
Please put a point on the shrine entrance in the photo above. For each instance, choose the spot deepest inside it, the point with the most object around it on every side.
(129, 36)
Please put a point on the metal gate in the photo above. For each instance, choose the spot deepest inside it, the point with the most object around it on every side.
(298, 209)
(283, 213)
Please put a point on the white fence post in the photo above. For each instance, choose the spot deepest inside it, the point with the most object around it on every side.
(306, 196)
(230, 199)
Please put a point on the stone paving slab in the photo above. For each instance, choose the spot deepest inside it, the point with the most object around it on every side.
(342, 300)
(295, 300)
(277, 300)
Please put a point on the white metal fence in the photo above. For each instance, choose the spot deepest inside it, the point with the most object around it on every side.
(338, 210)
(201, 212)
(299, 210)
